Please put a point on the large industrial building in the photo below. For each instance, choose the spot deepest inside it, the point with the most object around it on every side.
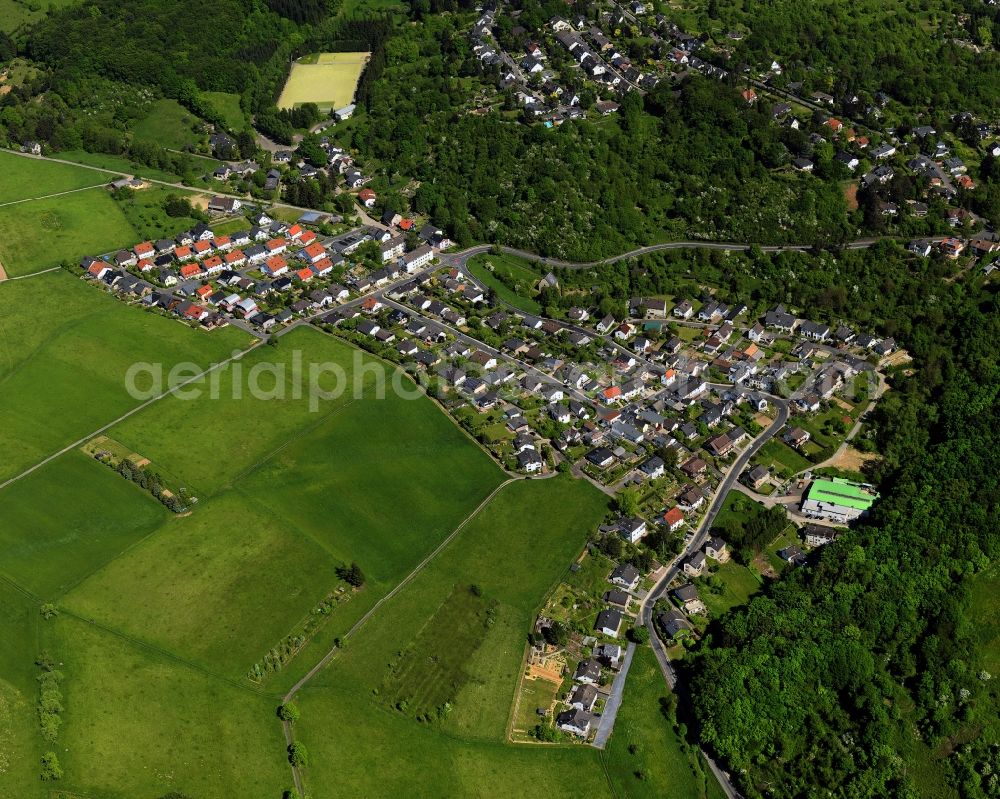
(837, 499)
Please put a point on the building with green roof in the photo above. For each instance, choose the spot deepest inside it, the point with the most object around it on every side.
(837, 499)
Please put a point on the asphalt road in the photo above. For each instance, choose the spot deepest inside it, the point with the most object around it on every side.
(697, 541)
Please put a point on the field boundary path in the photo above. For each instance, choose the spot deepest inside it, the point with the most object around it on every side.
(142, 406)
(330, 655)
(57, 194)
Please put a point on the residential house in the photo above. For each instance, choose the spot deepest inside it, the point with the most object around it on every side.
(715, 548)
(583, 697)
(576, 722)
(687, 596)
(674, 624)
(609, 622)
(695, 564)
(626, 576)
(588, 672)
(673, 519)
(632, 530)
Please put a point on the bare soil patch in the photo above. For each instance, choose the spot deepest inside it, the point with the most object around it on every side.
(852, 459)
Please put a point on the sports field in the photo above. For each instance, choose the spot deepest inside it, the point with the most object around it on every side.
(327, 79)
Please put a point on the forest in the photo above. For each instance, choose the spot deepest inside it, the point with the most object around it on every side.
(862, 667)
(917, 51)
(670, 166)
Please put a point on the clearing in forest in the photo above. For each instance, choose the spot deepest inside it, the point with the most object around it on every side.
(327, 79)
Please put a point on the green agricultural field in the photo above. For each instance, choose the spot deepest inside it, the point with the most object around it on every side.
(426, 676)
(22, 177)
(65, 348)
(511, 267)
(327, 79)
(211, 456)
(141, 724)
(228, 105)
(168, 124)
(659, 766)
(219, 587)
(41, 233)
(551, 519)
(118, 164)
(68, 519)
(380, 482)
(20, 747)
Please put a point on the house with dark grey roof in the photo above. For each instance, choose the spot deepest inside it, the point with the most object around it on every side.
(609, 622)
(674, 624)
(626, 576)
(583, 697)
(587, 672)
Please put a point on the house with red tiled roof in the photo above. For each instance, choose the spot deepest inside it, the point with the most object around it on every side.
(611, 393)
(834, 124)
(305, 275)
(201, 248)
(673, 519)
(323, 267)
(146, 264)
(214, 264)
(275, 266)
(235, 258)
(295, 232)
(222, 243)
(952, 248)
(276, 246)
(204, 292)
(367, 197)
(97, 269)
(144, 250)
(190, 270)
(195, 312)
(183, 254)
(314, 252)
(307, 238)
(749, 95)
